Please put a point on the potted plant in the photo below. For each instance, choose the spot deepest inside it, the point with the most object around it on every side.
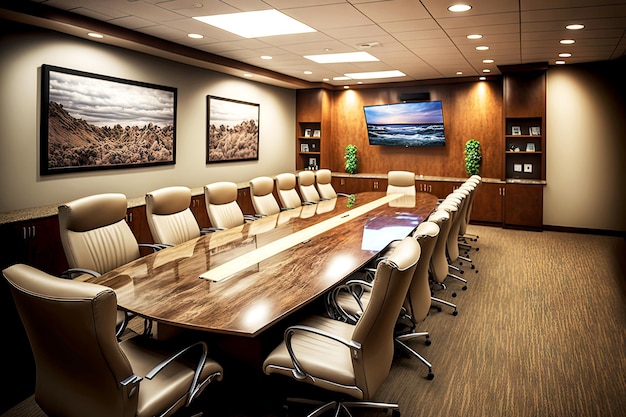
(473, 157)
(351, 159)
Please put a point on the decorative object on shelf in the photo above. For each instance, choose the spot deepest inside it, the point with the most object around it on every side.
(233, 130)
(516, 130)
(351, 201)
(91, 122)
(528, 168)
(530, 147)
(517, 167)
(535, 130)
(473, 157)
(307, 133)
(304, 147)
(351, 159)
(316, 133)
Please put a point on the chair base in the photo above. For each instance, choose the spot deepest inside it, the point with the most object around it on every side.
(342, 407)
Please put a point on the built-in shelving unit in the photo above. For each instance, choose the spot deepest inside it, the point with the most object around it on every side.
(524, 146)
(312, 129)
(309, 144)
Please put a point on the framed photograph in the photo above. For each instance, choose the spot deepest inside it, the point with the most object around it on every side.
(304, 147)
(535, 130)
(307, 133)
(232, 130)
(316, 133)
(528, 168)
(530, 147)
(312, 162)
(517, 167)
(92, 122)
(516, 130)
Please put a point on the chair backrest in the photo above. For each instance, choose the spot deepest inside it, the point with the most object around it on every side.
(438, 259)
(418, 300)
(261, 194)
(71, 330)
(306, 184)
(286, 189)
(402, 182)
(375, 329)
(221, 204)
(471, 185)
(169, 217)
(323, 179)
(460, 198)
(94, 233)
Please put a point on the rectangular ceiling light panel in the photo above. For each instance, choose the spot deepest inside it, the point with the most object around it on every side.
(257, 24)
(342, 57)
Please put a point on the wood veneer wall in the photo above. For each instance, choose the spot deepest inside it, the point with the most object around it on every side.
(471, 110)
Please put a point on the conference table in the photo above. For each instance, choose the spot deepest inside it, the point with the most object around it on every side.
(241, 281)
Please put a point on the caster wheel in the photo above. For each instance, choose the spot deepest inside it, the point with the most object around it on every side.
(454, 294)
(427, 342)
(455, 313)
(464, 287)
(395, 413)
(439, 309)
(430, 376)
(461, 272)
(473, 267)
(476, 271)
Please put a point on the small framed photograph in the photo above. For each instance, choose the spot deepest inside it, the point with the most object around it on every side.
(535, 130)
(312, 162)
(304, 147)
(307, 133)
(517, 167)
(530, 147)
(313, 147)
(528, 168)
(316, 133)
(516, 130)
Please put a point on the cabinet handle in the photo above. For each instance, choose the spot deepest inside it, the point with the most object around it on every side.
(32, 231)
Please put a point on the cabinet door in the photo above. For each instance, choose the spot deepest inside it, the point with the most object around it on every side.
(523, 206)
(198, 208)
(488, 204)
(138, 222)
(244, 201)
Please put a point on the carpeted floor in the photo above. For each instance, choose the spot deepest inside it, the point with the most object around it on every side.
(541, 331)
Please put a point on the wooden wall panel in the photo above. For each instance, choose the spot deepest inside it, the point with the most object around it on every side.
(471, 110)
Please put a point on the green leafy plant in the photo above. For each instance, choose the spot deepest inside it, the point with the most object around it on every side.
(351, 159)
(473, 157)
(351, 201)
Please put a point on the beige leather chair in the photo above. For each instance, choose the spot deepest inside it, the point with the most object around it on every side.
(169, 217)
(96, 237)
(402, 182)
(261, 194)
(325, 188)
(350, 360)
(82, 369)
(286, 189)
(222, 207)
(306, 185)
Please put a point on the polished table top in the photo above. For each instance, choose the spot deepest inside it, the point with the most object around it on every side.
(266, 269)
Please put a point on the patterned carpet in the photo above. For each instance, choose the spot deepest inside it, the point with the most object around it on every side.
(541, 331)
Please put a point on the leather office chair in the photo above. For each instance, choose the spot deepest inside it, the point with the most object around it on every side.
(83, 370)
(402, 182)
(97, 239)
(222, 207)
(263, 200)
(350, 360)
(169, 217)
(306, 185)
(286, 188)
(325, 188)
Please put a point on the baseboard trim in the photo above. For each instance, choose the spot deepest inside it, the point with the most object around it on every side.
(585, 231)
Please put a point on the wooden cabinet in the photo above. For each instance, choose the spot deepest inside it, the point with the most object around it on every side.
(198, 208)
(488, 206)
(313, 123)
(244, 201)
(523, 205)
(309, 145)
(439, 188)
(351, 185)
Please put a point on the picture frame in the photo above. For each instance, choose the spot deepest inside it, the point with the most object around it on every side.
(316, 133)
(94, 122)
(516, 130)
(530, 147)
(307, 133)
(312, 162)
(304, 147)
(232, 130)
(517, 167)
(528, 168)
(535, 130)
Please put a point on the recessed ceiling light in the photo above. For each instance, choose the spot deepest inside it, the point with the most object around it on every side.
(488, 61)
(195, 36)
(482, 78)
(474, 36)
(247, 75)
(308, 72)
(567, 41)
(565, 55)
(482, 48)
(95, 35)
(486, 70)
(559, 62)
(256, 24)
(375, 74)
(576, 26)
(325, 79)
(342, 57)
(346, 87)
(341, 78)
(266, 57)
(457, 8)
(459, 73)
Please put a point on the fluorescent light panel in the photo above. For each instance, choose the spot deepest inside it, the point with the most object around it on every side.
(342, 57)
(256, 24)
(375, 74)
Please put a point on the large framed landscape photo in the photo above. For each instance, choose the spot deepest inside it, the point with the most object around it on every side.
(91, 122)
(232, 130)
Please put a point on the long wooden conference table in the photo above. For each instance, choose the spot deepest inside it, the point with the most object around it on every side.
(243, 280)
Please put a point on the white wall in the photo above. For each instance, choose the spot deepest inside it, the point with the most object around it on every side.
(586, 150)
(21, 57)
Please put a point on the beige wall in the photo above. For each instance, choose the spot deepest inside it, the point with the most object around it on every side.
(21, 57)
(586, 149)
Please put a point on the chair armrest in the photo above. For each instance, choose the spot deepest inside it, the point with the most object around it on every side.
(154, 246)
(68, 273)
(195, 386)
(308, 203)
(343, 195)
(286, 208)
(250, 217)
(299, 372)
(210, 230)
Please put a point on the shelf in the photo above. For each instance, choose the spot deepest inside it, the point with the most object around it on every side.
(523, 152)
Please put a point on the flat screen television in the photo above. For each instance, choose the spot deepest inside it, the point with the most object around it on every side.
(408, 124)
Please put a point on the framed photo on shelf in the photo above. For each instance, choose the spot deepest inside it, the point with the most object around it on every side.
(307, 133)
(530, 147)
(304, 147)
(535, 130)
(316, 133)
(528, 168)
(517, 167)
(516, 130)
(312, 162)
